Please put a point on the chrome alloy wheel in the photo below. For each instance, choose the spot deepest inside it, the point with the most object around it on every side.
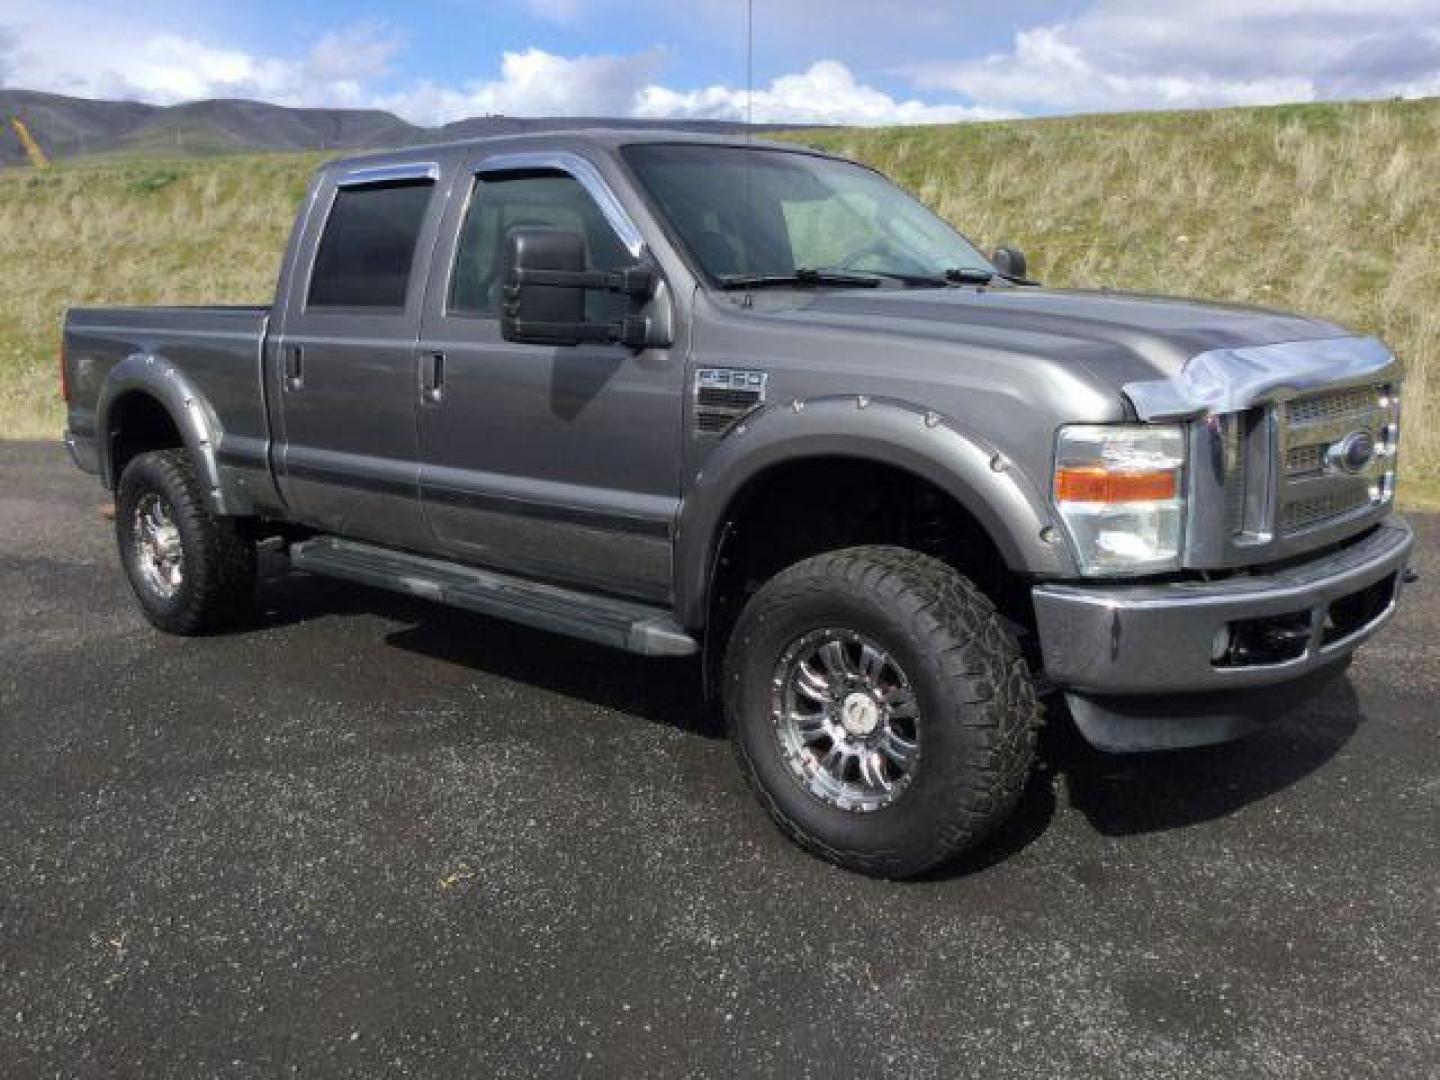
(847, 719)
(159, 553)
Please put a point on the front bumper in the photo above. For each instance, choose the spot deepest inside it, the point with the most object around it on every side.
(1144, 652)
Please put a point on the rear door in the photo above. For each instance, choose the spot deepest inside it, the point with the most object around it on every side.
(343, 364)
(560, 463)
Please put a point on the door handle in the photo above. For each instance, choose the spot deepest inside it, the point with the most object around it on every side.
(294, 368)
(432, 377)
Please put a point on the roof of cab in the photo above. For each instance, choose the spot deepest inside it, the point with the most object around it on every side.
(609, 139)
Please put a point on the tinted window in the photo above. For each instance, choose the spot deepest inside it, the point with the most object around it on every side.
(551, 200)
(761, 211)
(369, 245)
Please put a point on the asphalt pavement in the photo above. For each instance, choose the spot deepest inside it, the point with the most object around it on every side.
(368, 836)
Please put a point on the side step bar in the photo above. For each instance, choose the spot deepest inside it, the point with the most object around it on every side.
(621, 624)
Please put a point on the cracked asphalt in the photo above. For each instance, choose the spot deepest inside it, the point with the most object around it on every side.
(368, 836)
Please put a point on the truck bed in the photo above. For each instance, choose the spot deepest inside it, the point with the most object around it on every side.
(214, 354)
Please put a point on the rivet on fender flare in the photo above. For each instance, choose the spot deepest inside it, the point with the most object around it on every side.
(932, 419)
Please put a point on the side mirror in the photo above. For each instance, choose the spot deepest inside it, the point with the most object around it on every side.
(539, 313)
(1009, 261)
(545, 286)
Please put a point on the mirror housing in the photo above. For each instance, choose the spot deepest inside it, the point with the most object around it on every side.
(1010, 261)
(545, 286)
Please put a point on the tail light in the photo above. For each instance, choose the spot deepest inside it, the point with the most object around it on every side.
(64, 376)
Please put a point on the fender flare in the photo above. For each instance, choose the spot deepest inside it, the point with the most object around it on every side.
(160, 379)
(975, 473)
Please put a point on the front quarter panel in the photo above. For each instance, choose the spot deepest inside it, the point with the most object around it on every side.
(974, 472)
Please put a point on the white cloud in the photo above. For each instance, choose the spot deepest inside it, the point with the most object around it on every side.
(1128, 54)
(535, 83)
(353, 67)
(118, 59)
(827, 93)
(363, 50)
(562, 12)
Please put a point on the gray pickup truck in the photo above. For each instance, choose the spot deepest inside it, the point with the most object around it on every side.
(753, 402)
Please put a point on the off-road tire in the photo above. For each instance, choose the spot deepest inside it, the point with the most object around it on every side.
(217, 561)
(977, 705)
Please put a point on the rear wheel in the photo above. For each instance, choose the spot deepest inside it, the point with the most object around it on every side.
(190, 570)
(880, 709)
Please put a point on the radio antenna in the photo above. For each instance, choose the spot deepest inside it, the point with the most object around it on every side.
(749, 225)
(749, 66)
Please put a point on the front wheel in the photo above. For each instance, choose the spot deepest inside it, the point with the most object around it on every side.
(880, 709)
(190, 570)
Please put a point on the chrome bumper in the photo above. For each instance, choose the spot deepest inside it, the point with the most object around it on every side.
(1157, 639)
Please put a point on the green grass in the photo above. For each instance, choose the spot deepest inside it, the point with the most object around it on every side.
(1333, 210)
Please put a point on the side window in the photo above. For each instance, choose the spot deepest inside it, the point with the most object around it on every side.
(368, 246)
(525, 200)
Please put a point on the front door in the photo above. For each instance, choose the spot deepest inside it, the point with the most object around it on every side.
(559, 463)
(343, 364)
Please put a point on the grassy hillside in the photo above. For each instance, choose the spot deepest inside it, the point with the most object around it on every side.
(1329, 209)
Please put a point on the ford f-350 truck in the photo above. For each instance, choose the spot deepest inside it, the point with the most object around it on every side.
(684, 395)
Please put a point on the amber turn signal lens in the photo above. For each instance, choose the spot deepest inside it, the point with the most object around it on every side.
(1093, 484)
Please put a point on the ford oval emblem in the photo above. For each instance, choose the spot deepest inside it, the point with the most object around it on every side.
(1352, 453)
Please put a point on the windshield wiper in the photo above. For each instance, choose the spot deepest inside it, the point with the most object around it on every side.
(962, 275)
(969, 275)
(803, 276)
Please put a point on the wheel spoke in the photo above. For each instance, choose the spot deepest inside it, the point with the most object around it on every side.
(809, 683)
(900, 702)
(812, 734)
(872, 771)
(898, 749)
(833, 656)
(872, 663)
(834, 760)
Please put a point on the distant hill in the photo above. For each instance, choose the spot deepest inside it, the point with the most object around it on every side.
(69, 127)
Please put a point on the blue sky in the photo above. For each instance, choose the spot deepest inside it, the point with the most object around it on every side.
(859, 61)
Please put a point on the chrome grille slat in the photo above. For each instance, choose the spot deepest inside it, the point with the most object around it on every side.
(1305, 460)
(1306, 513)
(1357, 402)
(1313, 493)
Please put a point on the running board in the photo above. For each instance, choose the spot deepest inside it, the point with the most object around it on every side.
(621, 624)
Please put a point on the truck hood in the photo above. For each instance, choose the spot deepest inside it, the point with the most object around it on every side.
(1121, 337)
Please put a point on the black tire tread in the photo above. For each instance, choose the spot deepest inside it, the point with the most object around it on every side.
(220, 562)
(978, 657)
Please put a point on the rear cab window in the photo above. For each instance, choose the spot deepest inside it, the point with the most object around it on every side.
(367, 251)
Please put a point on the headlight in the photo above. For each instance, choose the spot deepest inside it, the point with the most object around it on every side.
(1119, 490)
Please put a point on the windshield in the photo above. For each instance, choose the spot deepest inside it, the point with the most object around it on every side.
(747, 213)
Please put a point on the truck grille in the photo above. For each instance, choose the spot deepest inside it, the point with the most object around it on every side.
(1315, 489)
(1355, 403)
(1301, 514)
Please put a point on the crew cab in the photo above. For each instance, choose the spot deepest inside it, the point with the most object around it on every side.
(754, 403)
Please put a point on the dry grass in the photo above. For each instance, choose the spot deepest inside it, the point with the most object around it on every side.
(192, 232)
(1330, 209)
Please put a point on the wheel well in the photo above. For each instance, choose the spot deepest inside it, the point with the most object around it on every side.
(139, 424)
(794, 511)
